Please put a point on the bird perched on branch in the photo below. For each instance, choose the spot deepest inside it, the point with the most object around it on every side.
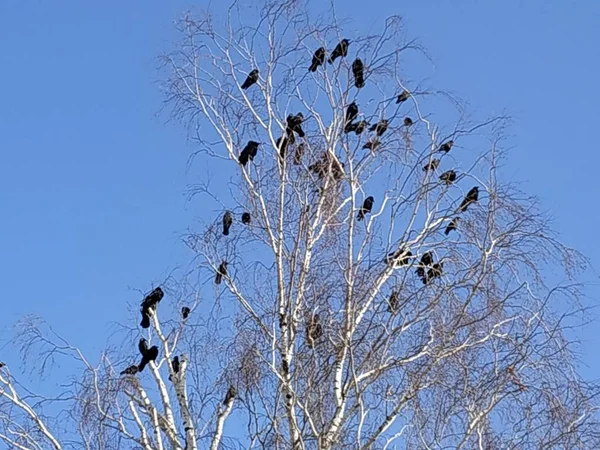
(340, 50)
(471, 197)
(372, 144)
(318, 59)
(366, 207)
(380, 127)
(249, 152)
(185, 312)
(435, 272)
(408, 122)
(227, 221)
(246, 218)
(148, 354)
(448, 177)
(404, 95)
(358, 72)
(400, 257)
(149, 305)
(175, 364)
(294, 124)
(433, 165)
(131, 370)
(351, 113)
(426, 260)
(251, 79)
(231, 395)
(359, 127)
(221, 272)
(446, 146)
(452, 226)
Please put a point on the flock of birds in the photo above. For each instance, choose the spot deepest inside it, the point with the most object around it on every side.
(427, 268)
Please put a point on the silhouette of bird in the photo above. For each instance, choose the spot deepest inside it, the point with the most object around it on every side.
(143, 346)
(366, 207)
(227, 221)
(426, 260)
(372, 144)
(249, 152)
(448, 177)
(432, 165)
(221, 272)
(380, 127)
(231, 394)
(452, 226)
(435, 272)
(246, 218)
(314, 330)
(358, 72)
(318, 59)
(408, 122)
(251, 79)
(400, 257)
(150, 303)
(131, 370)
(294, 124)
(360, 126)
(175, 364)
(149, 355)
(351, 113)
(446, 146)
(298, 153)
(404, 95)
(471, 197)
(185, 312)
(340, 50)
(393, 302)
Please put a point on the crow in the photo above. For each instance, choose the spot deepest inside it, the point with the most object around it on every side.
(294, 124)
(360, 126)
(380, 127)
(405, 95)
(298, 153)
(351, 113)
(150, 355)
(227, 221)
(252, 78)
(221, 271)
(340, 50)
(393, 302)
(435, 272)
(318, 59)
(452, 226)
(131, 370)
(426, 260)
(358, 72)
(246, 218)
(249, 152)
(432, 165)
(150, 303)
(408, 122)
(143, 346)
(471, 197)
(366, 208)
(185, 312)
(314, 330)
(448, 177)
(231, 394)
(446, 146)
(372, 144)
(399, 258)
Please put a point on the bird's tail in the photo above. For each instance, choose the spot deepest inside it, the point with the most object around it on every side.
(361, 216)
(145, 323)
(142, 365)
(313, 67)
(218, 278)
(447, 232)
(226, 231)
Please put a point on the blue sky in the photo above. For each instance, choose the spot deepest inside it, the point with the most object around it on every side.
(93, 182)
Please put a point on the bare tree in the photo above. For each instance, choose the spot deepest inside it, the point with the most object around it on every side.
(376, 284)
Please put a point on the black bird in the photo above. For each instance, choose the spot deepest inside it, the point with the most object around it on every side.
(314, 330)
(340, 50)
(372, 144)
(404, 95)
(366, 208)
(435, 272)
(149, 304)
(227, 221)
(453, 225)
(175, 364)
(246, 218)
(360, 126)
(131, 370)
(221, 271)
(318, 59)
(185, 312)
(298, 153)
(471, 197)
(143, 346)
(446, 146)
(358, 71)
(400, 257)
(426, 260)
(380, 127)
(294, 124)
(393, 302)
(249, 152)
(252, 78)
(351, 113)
(150, 355)
(432, 165)
(408, 122)
(448, 177)
(231, 394)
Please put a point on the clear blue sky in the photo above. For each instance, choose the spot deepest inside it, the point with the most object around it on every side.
(92, 191)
